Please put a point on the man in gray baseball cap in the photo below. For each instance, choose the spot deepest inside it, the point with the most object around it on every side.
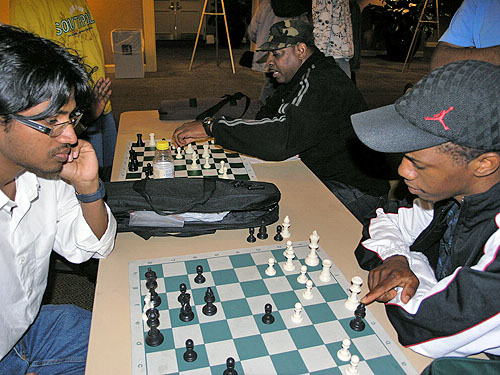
(436, 261)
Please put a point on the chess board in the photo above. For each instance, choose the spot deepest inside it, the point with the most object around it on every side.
(238, 166)
(242, 288)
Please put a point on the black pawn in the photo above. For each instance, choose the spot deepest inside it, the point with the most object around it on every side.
(148, 170)
(150, 274)
(278, 237)
(190, 355)
(251, 237)
(186, 314)
(357, 324)
(230, 367)
(140, 142)
(268, 318)
(183, 296)
(153, 314)
(199, 279)
(262, 235)
(154, 337)
(209, 309)
(155, 298)
(151, 283)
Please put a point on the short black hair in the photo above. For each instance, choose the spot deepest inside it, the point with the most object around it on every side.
(34, 70)
(461, 154)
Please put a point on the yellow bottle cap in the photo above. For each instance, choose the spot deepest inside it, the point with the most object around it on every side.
(162, 145)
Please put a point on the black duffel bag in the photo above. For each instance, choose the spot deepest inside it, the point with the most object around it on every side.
(245, 204)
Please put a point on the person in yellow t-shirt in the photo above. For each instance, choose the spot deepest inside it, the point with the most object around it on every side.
(70, 23)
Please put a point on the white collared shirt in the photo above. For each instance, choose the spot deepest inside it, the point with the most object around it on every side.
(45, 216)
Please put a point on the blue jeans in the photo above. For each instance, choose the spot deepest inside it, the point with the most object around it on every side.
(102, 136)
(56, 343)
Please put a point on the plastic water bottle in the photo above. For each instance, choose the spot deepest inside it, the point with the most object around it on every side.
(163, 162)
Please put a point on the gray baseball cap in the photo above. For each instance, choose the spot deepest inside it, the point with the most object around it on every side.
(458, 103)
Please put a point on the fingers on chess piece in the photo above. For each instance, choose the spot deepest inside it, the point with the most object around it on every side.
(251, 237)
(270, 271)
(262, 235)
(199, 279)
(190, 355)
(268, 317)
(209, 309)
(278, 236)
(230, 363)
(357, 324)
(344, 354)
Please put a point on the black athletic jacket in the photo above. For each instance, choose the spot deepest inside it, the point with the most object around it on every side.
(310, 116)
(460, 314)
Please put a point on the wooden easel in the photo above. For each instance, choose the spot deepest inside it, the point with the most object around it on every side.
(415, 34)
(216, 13)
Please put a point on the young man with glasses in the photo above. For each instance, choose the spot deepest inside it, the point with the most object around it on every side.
(50, 199)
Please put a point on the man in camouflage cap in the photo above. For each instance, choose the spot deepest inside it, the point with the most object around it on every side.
(308, 115)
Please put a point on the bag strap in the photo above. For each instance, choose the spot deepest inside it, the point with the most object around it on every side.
(209, 185)
(231, 99)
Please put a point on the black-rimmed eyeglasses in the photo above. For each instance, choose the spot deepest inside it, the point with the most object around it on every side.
(54, 131)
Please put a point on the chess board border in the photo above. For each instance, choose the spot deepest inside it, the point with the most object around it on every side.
(245, 160)
(139, 366)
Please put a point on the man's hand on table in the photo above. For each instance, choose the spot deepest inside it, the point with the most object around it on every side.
(383, 280)
(188, 132)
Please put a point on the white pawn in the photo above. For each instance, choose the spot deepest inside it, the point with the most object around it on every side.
(289, 266)
(302, 278)
(307, 294)
(270, 271)
(344, 354)
(352, 369)
(325, 275)
(205, 155)
(179, 153)
(312, 258)
(189, 149)
(297, 313)
(286, 226)
(207, 163)
(221, 170)
(152, 142)
(352, 302)
(289, 247)
(224, 174)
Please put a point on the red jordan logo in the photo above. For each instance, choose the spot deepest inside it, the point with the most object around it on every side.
(439, 117)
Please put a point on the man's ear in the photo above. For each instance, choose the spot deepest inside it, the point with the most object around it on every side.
(301, 49)
(486, 164)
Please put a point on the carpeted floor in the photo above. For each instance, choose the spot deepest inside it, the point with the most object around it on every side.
(380, 81)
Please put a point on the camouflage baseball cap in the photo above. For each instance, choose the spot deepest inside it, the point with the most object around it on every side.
(288, 33)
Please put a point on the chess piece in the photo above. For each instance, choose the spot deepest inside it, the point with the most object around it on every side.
(140, 142)
(307, 294)
(150, 274)
(286, 225)
(268, 317)
(186, 314)
(270, 271)
(154, 297)
(325, 275)
(148, 170)
(353, 301)
(205, 154)
(151, 283)
(199, 278)
(152, 142)
(190, 355)
(230, 367)
(154, 337)
(278, 237)
(312, 258)
(262, 235)
(183, 296)
(357, 324)
(251, 237)
(152, 316)
(289, 266)
(352, 369)
(224, 174)
(297, 313)
(344, 354)
(289, 248)
(178, 155)
(207, 164)
(302, 278)
(209, 309)
(189, 149)
(221, 169)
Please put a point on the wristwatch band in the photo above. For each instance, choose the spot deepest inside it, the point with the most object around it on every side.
(207, 123)
(89, 198)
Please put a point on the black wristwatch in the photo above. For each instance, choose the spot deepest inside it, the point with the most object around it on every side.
(89, 198)
(207, 124)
